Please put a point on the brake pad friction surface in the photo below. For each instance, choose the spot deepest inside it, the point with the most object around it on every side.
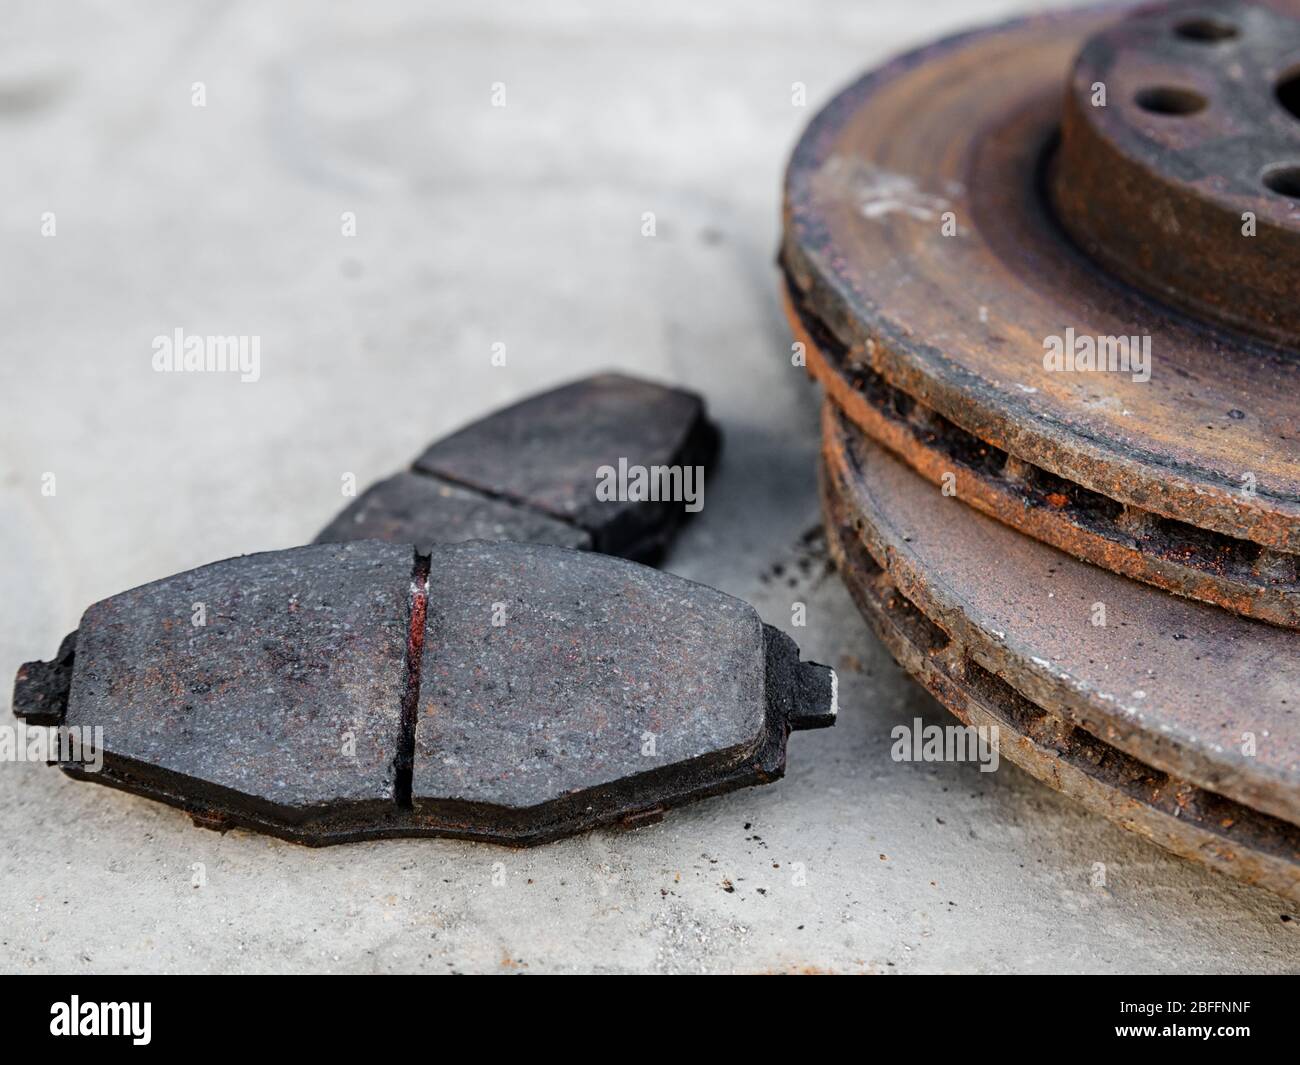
(599, 669)
(531, 473)
(545, 451)
(352, 691)
(300, 656)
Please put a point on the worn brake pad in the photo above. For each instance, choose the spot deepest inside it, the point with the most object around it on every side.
(506, 692)
(530, 473)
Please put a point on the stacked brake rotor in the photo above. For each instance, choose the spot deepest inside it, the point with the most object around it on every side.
(1048, 275)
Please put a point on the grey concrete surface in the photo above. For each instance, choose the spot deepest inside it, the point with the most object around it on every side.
(478, 225)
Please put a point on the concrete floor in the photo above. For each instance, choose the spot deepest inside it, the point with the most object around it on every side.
(476, 225)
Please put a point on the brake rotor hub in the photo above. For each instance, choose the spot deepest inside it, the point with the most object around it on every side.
(1179, 167)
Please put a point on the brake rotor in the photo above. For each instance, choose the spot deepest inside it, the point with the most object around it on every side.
(931, 275)
(1160, 730)
(1044, 506)
(1189, 821)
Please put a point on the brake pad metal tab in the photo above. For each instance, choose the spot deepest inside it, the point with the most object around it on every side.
(529, 473)
(505, 692)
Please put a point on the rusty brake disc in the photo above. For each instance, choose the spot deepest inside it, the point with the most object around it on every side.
(926, 258)
(1193, 692)
(1184, 819)
(1183, 560)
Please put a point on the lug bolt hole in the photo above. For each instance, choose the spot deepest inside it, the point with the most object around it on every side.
(1206, 30)
(1284, 180)
(1167, 100)
(1288, 91)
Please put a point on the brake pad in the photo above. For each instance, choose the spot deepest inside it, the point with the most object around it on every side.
(532, 472)
(506, 692)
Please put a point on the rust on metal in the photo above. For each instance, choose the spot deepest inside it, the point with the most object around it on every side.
(505, 692)
(1066, 300)
(1235, 574)
(1186, 820)
(529, 473)
(1193, 691)
(1186, 183)
(918, 232)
